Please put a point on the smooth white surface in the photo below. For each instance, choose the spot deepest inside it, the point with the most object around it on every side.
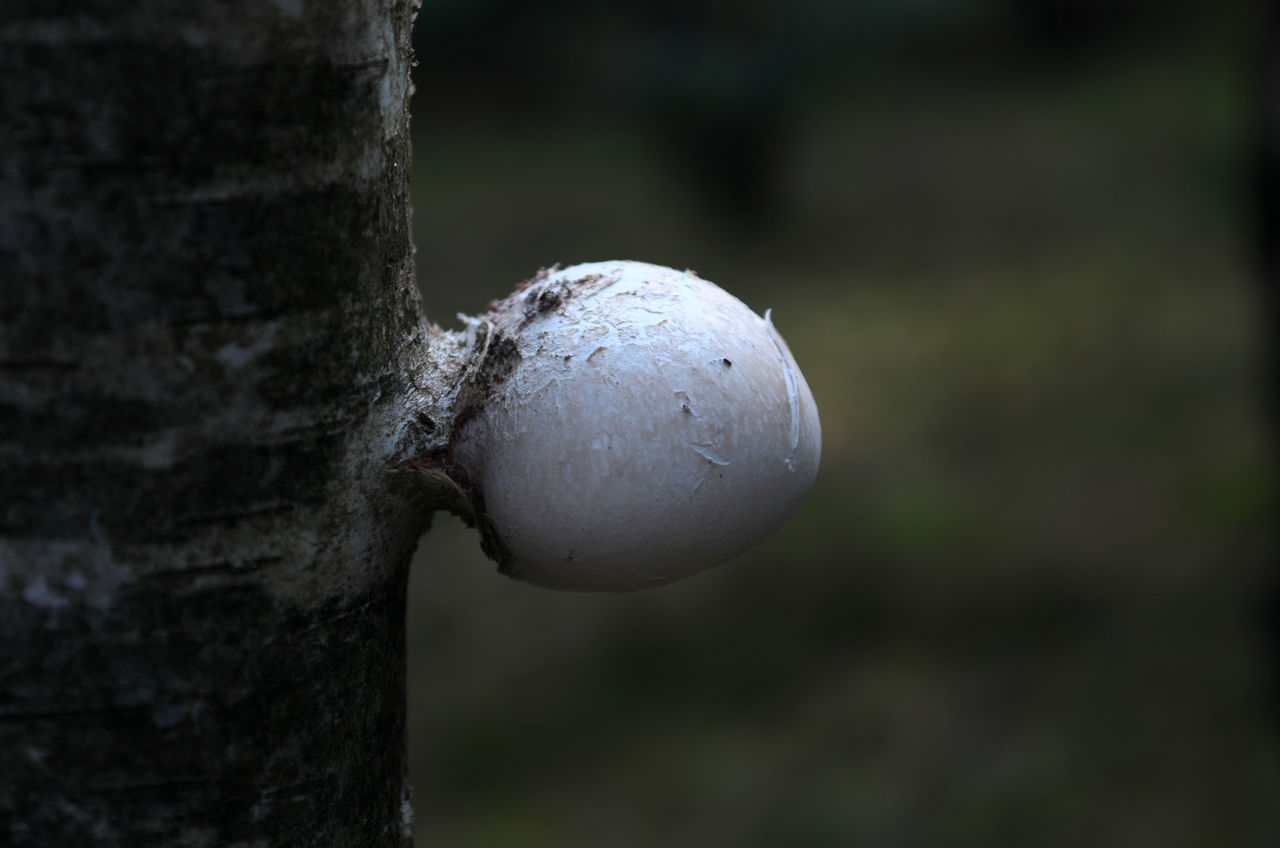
(654, 426)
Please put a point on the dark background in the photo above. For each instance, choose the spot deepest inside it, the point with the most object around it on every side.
(1010, 243)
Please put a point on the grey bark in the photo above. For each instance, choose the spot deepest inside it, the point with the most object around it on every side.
(212, 362)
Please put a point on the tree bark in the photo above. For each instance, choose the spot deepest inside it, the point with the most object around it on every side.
(211, 360)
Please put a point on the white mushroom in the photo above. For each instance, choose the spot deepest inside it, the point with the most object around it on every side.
(635, 425)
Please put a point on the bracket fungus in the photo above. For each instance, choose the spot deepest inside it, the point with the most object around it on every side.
(627, 425)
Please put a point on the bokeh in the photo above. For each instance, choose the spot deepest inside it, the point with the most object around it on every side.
(1009, 244)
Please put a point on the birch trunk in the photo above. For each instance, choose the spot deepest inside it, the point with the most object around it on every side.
(207, 319)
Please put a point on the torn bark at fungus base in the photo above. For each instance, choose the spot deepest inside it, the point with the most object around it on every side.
(622, 425)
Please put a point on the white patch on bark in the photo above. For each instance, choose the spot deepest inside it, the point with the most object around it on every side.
(292, 8)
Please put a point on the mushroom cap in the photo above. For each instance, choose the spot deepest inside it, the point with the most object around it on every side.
(651, 426)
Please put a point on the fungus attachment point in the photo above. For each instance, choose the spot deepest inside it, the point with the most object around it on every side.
(640, 425)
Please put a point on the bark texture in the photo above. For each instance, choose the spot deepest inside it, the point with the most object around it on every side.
(211, 359)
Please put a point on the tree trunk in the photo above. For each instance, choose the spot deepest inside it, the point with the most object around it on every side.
(1266, 197)
(208, 324)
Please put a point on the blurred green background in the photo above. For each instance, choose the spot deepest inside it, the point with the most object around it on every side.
(1008, 242)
